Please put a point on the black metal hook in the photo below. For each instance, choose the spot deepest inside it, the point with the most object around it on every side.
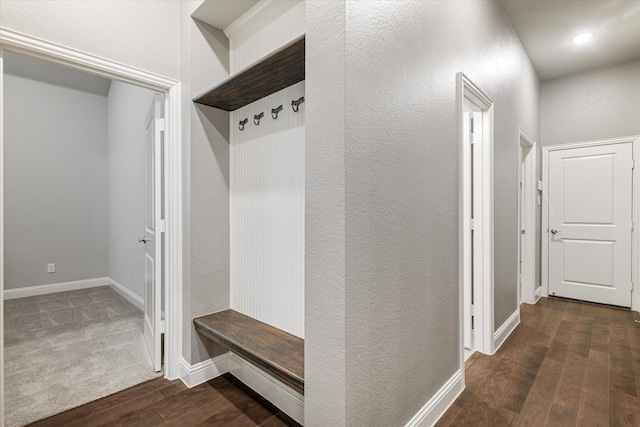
(275, 111)
(242, 123)
(257, 117)
(295, 105)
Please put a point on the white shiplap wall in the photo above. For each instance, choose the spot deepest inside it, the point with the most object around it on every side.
(267, 202)
(277, 23)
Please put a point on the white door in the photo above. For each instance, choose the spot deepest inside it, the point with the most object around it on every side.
(472, 212)
(153, 237)
(590, 211)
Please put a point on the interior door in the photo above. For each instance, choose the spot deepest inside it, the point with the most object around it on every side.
(472, 230)
(153, 237)
(590, 211)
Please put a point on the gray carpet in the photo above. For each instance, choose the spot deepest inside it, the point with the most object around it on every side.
(69, 348)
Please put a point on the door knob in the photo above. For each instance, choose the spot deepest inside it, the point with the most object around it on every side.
(554, 231)
(143, 239)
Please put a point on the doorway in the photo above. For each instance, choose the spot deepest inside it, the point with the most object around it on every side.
(527, 201)
(589, 237)
(476, 219)
(172, 165)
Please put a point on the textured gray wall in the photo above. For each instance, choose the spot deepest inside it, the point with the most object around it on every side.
(55, 159)
(134, 32)
(325, 381)
(127, 109)
(401, 193)
(204, 63)
(596, 104)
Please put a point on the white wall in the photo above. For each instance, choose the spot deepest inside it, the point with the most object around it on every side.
(595, 104)
(382, 236)
(267, 170)
(267, 212)
(204, 62)
(279, 25)
(55, 159)
(127, 109)
(134, 32)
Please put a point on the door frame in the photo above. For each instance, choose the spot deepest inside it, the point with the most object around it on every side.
(172, 270)
(635, 236)
(483, 301)
(527, 288)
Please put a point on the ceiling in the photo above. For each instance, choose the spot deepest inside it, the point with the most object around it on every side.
(221, 13)
(56, 74)
(546, 28)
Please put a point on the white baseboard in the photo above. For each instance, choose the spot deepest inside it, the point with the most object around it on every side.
(31, 291)
(505, 330)
(439, 403)
(193, 375)
(283, 397)
(129, 295)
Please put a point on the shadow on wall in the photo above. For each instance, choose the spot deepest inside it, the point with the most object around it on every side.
(216, 127)
(216, 40)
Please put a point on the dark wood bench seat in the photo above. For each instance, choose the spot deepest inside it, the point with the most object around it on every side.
(276, 351)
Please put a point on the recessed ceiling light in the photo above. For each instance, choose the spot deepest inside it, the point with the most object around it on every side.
(582, 38)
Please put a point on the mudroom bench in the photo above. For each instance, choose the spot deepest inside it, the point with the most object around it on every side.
(275, 351)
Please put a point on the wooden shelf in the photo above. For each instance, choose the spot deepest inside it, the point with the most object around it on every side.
(274, 350)
(280, 69)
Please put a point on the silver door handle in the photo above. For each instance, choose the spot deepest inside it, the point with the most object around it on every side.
(144, 239)
(554, 231)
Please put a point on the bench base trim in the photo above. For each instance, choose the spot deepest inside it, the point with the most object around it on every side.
(193, 375)
(280, 395)
(283, 397)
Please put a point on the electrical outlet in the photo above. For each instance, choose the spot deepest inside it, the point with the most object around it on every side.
(51, 268)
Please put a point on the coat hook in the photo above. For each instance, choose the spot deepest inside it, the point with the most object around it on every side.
(242, 123)
(257, 117)
(275, 111)
(295, 105)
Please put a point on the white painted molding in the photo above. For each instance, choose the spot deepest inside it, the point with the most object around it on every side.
(255, 14)
(128, 294)
(484, 288)
(33, 46)
(439, 403)
(31, 291)
(193, 375)
(286, 399)
(505, 330)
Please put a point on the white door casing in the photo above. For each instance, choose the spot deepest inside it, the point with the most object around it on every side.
(527, 217)
(153, 232)
(589, 215)
(470, 97)
(33, 46)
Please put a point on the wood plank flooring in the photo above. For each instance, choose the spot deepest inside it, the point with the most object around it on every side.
(224, 401)
(568, 363)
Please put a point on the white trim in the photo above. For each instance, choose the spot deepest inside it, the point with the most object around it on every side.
(483, 305)
(193, 375)
(635, 240)
(505, 330)
(254, 14)
(127, 293)
(32, 46)
(1, 242)
(31, 291)
(429, 414)
(527, 289)
(285, 398)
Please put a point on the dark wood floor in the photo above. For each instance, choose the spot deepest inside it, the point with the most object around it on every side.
(223, 401)
(567, 364)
